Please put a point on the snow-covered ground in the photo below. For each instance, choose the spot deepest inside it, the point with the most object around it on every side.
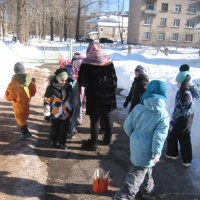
(157, 64)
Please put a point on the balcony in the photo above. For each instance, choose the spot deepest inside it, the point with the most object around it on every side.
(149, 12)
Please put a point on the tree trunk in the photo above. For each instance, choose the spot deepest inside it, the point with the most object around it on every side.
(36, 24)
(3, 21)
(19, 27)
(65, 28)
(51, 28)
(77, 21)
(43, 34)
(26, 26)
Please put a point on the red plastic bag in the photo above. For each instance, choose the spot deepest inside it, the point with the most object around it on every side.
(100, 181)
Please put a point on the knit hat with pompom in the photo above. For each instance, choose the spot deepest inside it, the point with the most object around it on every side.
(184, 67)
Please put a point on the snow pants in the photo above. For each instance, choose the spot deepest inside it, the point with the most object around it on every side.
(138, 178)
(59, 130)
(181, 133)
(75, 118)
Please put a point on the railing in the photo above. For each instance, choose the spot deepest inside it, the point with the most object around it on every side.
(49, 52)
(150, 12)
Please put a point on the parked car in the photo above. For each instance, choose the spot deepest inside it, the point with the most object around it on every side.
(106, 40)
(86, 40)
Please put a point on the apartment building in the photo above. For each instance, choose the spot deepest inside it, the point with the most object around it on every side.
(108, 26)
(164, 22)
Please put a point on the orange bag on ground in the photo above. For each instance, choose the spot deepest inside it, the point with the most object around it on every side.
(100, 181)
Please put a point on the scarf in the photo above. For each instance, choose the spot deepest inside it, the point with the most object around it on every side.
(59, 86)
(24, 79)
(96, 56)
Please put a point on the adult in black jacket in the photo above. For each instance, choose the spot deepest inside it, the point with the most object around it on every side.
(97, 74)
(138, 87)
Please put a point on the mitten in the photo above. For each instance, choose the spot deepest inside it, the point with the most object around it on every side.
(125, 104)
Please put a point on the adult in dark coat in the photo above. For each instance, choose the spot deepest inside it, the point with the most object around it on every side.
(97, 74)
(138, 87)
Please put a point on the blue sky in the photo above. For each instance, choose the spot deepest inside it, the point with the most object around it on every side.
(126, 5)
(114, 6)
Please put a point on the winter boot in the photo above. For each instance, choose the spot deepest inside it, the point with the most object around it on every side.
(25, 133)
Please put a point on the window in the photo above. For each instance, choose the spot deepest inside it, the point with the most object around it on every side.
(149, 6)
(177, 8)
(164, 7)
(176, 23)
(148, 21)
(161, 36)
(147, 36)
(175, 37)
(190, 23)
(188, 38)
(192, 9)
(163, 22)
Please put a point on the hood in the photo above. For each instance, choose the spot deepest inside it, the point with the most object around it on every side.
(155, 104)
(24, 79)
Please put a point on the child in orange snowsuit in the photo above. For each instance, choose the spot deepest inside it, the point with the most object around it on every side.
(19, 91)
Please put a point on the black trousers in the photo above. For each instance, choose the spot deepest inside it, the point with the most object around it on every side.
(94, 126)
(181, 133)
(59, 130)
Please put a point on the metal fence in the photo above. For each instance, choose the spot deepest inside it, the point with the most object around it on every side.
(48, 52)
(53, 52)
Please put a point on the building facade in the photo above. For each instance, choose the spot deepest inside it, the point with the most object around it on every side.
(108, 26)
(164, 22)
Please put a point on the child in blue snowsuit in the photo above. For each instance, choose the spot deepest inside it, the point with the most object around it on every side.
(147, 126)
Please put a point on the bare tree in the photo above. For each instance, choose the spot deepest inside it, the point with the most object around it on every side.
(121, 22)
(20, 26)
(78, 19)
(3, 12)
(38, 18)
(83, 4)
(66, 14)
